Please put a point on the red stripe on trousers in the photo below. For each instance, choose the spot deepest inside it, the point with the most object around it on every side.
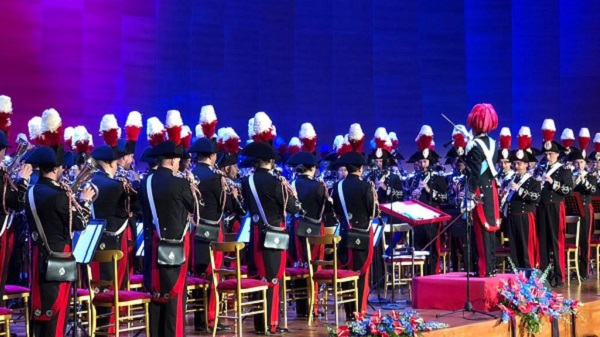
(478, 228)
(531, 241)
(562, 217)
(212, 300)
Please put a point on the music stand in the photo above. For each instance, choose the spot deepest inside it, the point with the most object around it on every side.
(415, 213)
(139, 230)
(378, 226)
(85, 243)
(574, 205)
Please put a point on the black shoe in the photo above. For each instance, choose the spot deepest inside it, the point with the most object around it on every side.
(200, 328)
(281, 330)
(266, 333)
(221, 327)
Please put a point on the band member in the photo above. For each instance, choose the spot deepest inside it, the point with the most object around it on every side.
(388, 185)
(213, 189)
(170, 201)
(431, 189)
(585, 184)
(313, 196)
(594, 158)
(506, 172)
(519, 211)
(557, 182)
(53, 215)
(276, 197)
(357, 206)
(12, 197)
(482, 186)
(456, 192)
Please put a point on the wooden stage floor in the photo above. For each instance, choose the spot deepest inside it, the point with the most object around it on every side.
(588, 325)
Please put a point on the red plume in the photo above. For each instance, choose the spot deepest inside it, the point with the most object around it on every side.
(505, 142)
(524, 142)
(209, 128)
(459, 140)
(232, 145)
(5, 122)
(309, 144)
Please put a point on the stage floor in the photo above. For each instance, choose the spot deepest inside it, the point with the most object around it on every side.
(589, 325)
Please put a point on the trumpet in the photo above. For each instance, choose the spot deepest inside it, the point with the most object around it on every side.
(82, 180)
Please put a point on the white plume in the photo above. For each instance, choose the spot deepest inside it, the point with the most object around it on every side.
(425, 131)
(199, 132)
(51, 120)
(505, 131)
(154, 126)
(134, 119)
(251, 127)
(548, 124)
(185, 131)
(355, 132)
(109, 122)
(584, 133)
(295, 141)
(262, 122)
(35, 127)
(5, 104)
(597, 137)
(525, 131)
(225, 134)
(393, 136)
(207, 114)
(80, 134)
(338, 141)
(69, 133)
(381, 133)
(566, 134)
(173, 119)
(307, 131)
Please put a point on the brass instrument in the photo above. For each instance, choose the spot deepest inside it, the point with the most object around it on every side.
(14, 166)
(505, 192)
(579, 177)
(82, 180)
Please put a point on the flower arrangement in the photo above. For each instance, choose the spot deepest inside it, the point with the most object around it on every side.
(528, 299)
(396, 324)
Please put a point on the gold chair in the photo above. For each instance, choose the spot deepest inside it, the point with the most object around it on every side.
(572, 249)
(135, 282)
(291, 291)
(103, 295)
(502, 252)
(237, 287)
(334, 278)
(5, 317)
(197, 299)
(398, 269)
(15, 292)
(595, 244)
(84, 299)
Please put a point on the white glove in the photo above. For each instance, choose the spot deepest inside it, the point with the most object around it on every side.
(467, 205)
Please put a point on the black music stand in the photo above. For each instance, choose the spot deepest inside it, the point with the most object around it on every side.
(85, 244)
(378, 225)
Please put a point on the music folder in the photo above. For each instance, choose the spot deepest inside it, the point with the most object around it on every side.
(86, 242)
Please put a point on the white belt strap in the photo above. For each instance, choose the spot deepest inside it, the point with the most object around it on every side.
(489, 156)
(153, 209)
(343, 202)
(258, 204)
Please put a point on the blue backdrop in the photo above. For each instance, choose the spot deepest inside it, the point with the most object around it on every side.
(392, 63)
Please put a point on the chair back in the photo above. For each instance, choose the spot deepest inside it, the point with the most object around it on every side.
(325, 240)
(573, 220)
(105, 256)
(233, 248)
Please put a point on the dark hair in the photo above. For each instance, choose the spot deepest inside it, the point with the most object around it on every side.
(352, 168)
(303, 168)
(260, 162)
(46, 169)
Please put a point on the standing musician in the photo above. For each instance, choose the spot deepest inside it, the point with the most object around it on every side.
(234, 205)
(456, 192)
(51, 206)
(314, 197)
(557, 182)
(113, 205)
(12, 199)
(585, 184)
(482, 186)
(211, 186)
(356, 201)
(519, 211)
(431, 189)
(170, 200)
(275, 198)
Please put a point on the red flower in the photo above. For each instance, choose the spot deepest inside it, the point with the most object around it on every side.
(359, 316)
(376, 318)
(343, 331)
(384, 334)
(394, 315)
(526, 309)
(374, 329)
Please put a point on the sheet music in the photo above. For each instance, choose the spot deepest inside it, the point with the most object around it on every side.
(412, 211)
(244, 233)
(86, 241)
(139, 231)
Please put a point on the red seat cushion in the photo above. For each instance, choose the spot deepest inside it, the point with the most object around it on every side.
(83, 292)
(595, 241)
(124, 296)
(196, 281)
(570, 246)
(247, 283)
(503, 250)
(327, 274)
(10, 289)
(296, 271)
(5, 311)
(136, 278)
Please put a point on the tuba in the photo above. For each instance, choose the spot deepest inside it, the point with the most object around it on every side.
(82, 180)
